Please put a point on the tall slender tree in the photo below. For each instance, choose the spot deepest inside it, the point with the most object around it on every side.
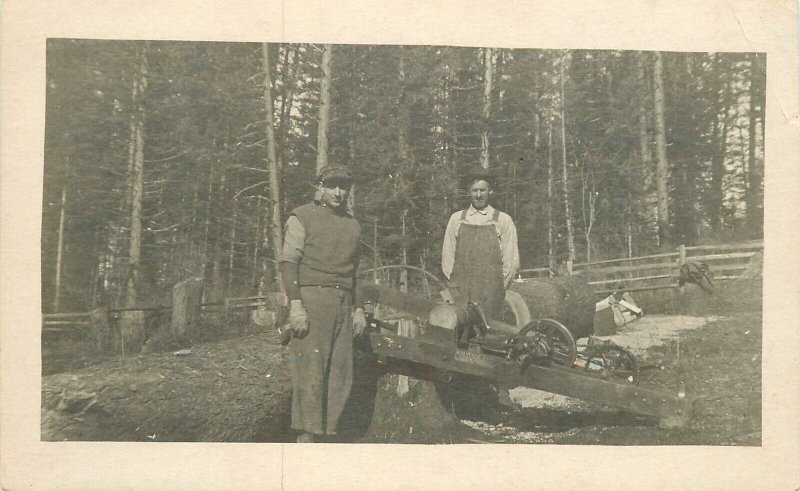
(324, 108)
(488, 80)
(565, 174)
(662, 173)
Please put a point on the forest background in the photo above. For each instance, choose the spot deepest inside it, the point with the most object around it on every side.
(170, 160)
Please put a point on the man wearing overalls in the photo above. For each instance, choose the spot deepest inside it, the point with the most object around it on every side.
(479, 254)
(480, 259)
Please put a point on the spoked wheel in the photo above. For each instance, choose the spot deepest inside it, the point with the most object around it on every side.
(558, 337)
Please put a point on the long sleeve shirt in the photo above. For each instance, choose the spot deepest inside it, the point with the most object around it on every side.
(506, 231)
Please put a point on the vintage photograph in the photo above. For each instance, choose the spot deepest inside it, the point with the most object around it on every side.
(339, 243)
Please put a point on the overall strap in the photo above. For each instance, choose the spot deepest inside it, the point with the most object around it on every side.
(464, 215)
(495, 215)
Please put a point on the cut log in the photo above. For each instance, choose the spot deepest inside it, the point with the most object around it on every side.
(567, 299)
(238, 390)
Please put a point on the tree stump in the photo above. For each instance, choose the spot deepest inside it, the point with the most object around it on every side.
(694, 300)
(186, 297)
(132, 331)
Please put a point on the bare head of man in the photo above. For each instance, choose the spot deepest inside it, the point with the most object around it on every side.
(480, 192)
(478, 182)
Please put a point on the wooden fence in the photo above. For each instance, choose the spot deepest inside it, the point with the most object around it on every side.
(125, 330)
(659, 271)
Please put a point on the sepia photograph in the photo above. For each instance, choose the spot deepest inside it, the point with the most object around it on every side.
(440, 244)
(274, 242)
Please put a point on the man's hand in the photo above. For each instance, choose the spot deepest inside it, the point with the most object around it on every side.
(359, 321)
(298, 319)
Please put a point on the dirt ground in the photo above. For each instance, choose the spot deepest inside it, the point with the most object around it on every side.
(714, 354)
(716, 358)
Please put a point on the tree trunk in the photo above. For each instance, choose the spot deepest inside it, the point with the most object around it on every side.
(217, 283)
(661, 151)
(324, 108)
(551, 257)
(132, 329)
(718, 173)
(565, 183)
(644, 136)
(286, 118)
(487, 104)
(754, 199)
(275, 222)
(232, 249)
(137, 181)
(588, 214)
(60, 249)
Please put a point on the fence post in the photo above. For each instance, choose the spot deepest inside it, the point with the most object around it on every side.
(101, 328)
(185, 306)
(681, 255)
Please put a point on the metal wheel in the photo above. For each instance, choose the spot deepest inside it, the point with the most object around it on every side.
(558, 337)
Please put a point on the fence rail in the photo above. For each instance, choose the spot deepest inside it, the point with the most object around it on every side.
(659, 271)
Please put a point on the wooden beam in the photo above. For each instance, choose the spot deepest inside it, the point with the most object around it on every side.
(671, 409)
(628, 280)
(721, 257)
(638, 289)
(756, 244)
(626, 259)
(66, 316)
(639, 267)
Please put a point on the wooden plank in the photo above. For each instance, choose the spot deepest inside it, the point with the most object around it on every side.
(729, 267)
(63, 323)
(671, 409)
(639, 267)
(626, 259)
(721, 257)
(756, 244)
(206, 306)
(66, 316)
(629, 280)
(139, 309)
(638, 289)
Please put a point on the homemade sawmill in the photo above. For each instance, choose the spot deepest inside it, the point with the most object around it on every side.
(454, 336)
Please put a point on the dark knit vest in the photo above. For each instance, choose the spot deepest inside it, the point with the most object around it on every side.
(330, 250)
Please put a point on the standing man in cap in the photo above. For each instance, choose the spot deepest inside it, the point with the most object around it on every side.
(479, 254)
(319, 260)
(480, 259)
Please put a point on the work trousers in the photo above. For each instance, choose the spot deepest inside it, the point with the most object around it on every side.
(322, 362)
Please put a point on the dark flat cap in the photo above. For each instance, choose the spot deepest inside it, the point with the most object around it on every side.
(337, 172)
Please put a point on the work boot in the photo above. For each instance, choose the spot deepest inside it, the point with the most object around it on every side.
(306, 438)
